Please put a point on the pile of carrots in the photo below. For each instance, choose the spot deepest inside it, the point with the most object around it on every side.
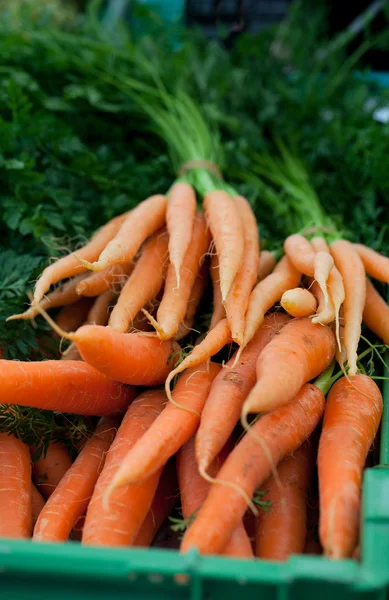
(222, 436)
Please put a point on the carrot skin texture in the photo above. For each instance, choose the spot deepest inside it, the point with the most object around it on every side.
(283, 431)
(73, 316)
(110, 279)
(351, 419)
(70, 499)
(376, 265)
(298, 302)
(267, 262)
(196, 295)
(37, 503)
(180, 216)
(219, 312)
(62, 385)
(376, 313)
(300, 252)
(49, 469)
(15, 488)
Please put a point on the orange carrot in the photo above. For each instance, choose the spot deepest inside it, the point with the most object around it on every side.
(141, 222)
(376, 313)
(195, 298)
(180, 216)
(110, 279)
(351, 268)
(267, 262)
(298, 302)
(336, 287)
(219, 312)
(70, 498)
(37, 503)
(99, 312)
(64, 386)
(224, 221)
(300, 352)
(248, 466)
(351, 419)
(49, 469)
(15, 488)
(117, 521)
(323, 265)
(324, 316)
(73, 316)
(376, 265)
(319, 244)
(170, 430)
(228, 392)
(301, 254)
(281, 531)
(144, 283)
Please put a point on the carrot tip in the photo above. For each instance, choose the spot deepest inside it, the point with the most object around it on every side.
(95, 266)
(160, 332)
(53, 324)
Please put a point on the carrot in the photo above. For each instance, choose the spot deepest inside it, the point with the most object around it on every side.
(376, 265)
(144, 283)
(140, 223)
(69, 265)
(70, 498)
(170, 430)
(73, 316)
(298, 302)
(323, 265)
(110, 279)
(324, 316)
(15, 488)
(60, 385)
(174, 303)
(228, 392)
(301, 254)
(300, 352)
(37, 503)
(99, 312)
(282, 530)
(267, 262)
(180, 216)
(376, 313)
(195, 298)
(49, 469)
(351, 419)
(248, 466)
(319, 244)
(164, 500)
(219, 312)
(224, 221)
(117, 522)
(351, 268)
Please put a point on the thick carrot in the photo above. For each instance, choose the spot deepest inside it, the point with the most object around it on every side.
(351, 268)
(49, 469)
(110, 279)
(144, 283)
(281, 531)
(61, 385)
(71, 317)
(300, 352)
(141, 222)
(115, 520)
(172, 309)
(299, 302)
(228, 392)
(37, 503)
(248, 466)
(376, 313)
(195, 298)
(219, 312)
(70, 498)
(180, 216)
(69, 265)
(224, 221)
(376, 265)
(15, 488)
(319, 244)
(267, 262)
(351, 419)
(301, 254)
(171, 429)
(244, 281)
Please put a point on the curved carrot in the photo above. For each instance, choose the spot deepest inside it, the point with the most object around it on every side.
(180, 216)
(336, 287)
(244, 281)
(299, 302)
(323, 265)
(247, 467)
(376, 313)
(300, 352)
(170, 430)
(64, 386)
(70, 498)
(225, 224)
(15, 488)
(301, 254)
(324, 316)
(73, 316)
(143, 284)
(111, 278)
(37, 503)
(228, 392)
(196, 295)
(376, 265)
(99, 312)
(281, 531)
(49, 469)
(351, 268)
(116, 520)
(267, 262)
(351, 419)
(219, 312)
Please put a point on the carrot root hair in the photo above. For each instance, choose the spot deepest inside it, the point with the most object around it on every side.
(63, 334)
(159, 330)
(85, 263)
(168, 391)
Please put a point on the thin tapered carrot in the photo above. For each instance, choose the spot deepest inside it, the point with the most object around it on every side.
(141, 222)
(244, 281)
(112, 278)
(70, 265)
(248, 466)
(299, 302)
(196, 295)
(224, 221)
(143, 284)
(115, 520)
(63, 386)
(301, 254)
(350, 266)
(37, 503)
(300, 352)
(15, 488)
(376, 265)
(180, 216)
(376, 313)
(219, 312)
(49, 469)
(171, 429)
(71, 317)
(281, 531)
(228, 392)
(351, 419)
(267, 262)
(70, 499)
(172, 309)
(323, 266)
(324, 316)
(99, 312)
